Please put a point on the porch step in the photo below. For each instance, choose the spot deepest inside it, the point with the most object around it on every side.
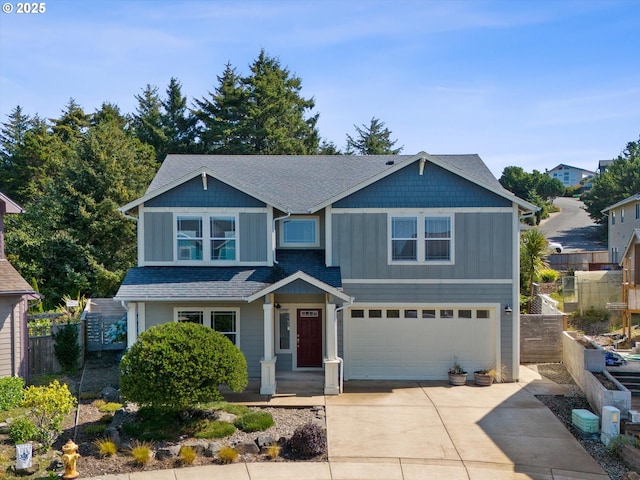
(630, 379)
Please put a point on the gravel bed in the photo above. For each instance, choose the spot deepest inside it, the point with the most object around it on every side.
(561, 406)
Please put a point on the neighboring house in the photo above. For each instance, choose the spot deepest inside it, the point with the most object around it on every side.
(624, 219)
(568, 175)
(14, 295)
(375, 267)
(603, 165)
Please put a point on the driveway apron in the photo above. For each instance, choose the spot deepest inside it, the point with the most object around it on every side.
(431, 428)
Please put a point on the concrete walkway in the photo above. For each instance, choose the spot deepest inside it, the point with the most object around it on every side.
(419, 430)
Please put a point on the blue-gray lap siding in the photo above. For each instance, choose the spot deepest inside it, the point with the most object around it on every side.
(436, 188)
(482, 242)
(251, 326)
(159, 240)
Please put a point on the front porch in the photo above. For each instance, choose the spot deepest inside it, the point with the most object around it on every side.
(295, 388)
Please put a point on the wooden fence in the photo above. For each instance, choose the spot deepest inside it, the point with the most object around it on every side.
(42, 358)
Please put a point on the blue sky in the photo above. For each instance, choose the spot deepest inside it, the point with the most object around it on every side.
(527, 83)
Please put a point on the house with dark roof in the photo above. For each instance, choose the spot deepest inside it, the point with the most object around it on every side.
(363, 267)
(14, 295)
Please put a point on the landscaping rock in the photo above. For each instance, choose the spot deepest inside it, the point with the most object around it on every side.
(265, 441)
(172, 451)
(212, 449)
(631, 476)
(110, 394)
(198, 446)
(225, 416)
(4, 427)
(113, 434)
(56, 465)
(244, 448)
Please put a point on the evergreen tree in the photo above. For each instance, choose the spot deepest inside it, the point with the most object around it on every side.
(619, 181)
(177, 122)
(222, 115)
(12, 139)
(276, 115)
(373, 139)
(72, 124)
(147, 121)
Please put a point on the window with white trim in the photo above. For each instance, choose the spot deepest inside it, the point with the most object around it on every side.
(223, 320)
(637, 211)
(223, 238)
(622, 215)
(613, 217)
(189, 238)
(425, 239)
(300, 232)
(284, 330)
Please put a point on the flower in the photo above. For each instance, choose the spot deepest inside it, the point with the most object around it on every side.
(117, 332)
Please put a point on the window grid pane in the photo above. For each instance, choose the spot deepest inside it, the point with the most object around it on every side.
(404, 233)
(223, 238)
(191, 317)
(189, 238)
(225, 323)
(437, 232)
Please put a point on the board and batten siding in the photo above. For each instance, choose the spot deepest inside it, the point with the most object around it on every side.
(253, 237)
(251, 326)
(12, 338)
(482, 242)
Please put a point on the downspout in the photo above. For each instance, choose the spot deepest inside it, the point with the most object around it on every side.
(273, 234)
(340, 359)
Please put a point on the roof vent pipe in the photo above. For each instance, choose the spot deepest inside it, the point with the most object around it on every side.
(390, 162)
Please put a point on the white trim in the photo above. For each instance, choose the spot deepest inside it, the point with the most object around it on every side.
(428, 281)
(515, 298)
(430, 211)
(205, 219)
(165, 299)
(204, 263)
(420, 216)
(206, 210)
(207, 312)
(423, 305)
(140, 231)
(293, 218)
(288, 308)
(270, 236)
(299, 275)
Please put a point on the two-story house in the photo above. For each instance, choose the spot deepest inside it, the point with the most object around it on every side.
(15, 293)
(624, 223)
(366, 267)
(568, 175)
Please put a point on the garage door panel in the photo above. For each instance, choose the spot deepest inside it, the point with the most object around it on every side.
(420, 349)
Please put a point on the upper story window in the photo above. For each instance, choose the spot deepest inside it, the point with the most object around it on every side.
(421, 239)
(189, 238)
(223, 238)
(613, 217)
(299, 232)
(637, 211)
(622, 215)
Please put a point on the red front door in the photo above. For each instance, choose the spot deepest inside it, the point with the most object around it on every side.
(309, 330)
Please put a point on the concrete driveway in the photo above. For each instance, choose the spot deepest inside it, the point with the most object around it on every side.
(419, 430)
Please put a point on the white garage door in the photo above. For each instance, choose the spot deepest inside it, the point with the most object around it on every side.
(378, 347)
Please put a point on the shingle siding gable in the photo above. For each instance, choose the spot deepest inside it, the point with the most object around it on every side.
(192, 194)
(436, 188)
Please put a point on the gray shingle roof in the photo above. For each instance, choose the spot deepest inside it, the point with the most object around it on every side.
(217, 283)
(299, 183)
(11, 283)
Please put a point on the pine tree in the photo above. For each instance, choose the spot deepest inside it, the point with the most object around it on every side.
(178, 124)
(147, 121)
(373, 139)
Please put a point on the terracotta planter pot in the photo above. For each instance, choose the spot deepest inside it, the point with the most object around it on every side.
(457, 379)
(482, 379)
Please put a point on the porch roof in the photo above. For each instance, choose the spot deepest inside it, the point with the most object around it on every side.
(224, 283)
(11, 283)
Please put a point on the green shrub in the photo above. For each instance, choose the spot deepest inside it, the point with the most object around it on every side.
(214, 429)
(96, 429)
(308, 440)
(66, 346)
(11, 391)
(227, 455)
(254, 422)
(177, 365)
(48, 406)
(22, 430)
(106, 447)
(549, 275)
(233, 408)
(154, 425)
(110, 407)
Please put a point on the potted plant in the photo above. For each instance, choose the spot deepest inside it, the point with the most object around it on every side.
(485, 377)
(457, 375)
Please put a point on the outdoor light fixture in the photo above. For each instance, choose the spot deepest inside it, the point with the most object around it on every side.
(277, 305)
(508, 310)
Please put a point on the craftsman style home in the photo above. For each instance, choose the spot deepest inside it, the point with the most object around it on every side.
(624, 225)
(364, 267)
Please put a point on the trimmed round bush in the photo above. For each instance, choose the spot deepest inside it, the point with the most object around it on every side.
(177, 365)
(254, 421)
(308, 440)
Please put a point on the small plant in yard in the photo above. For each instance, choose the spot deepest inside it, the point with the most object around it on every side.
(110, 407)
(22, 430)
(48, 407)
(457, 369)
(106, 447)
(98, 403)
(309, 440)
(106, 418)
(11, 391)
(254, 422)
(66, 346)
(227, 455)
(273, 451)
(214, 429)
(96, 429)
(187, 455)
(141, 452)
(619, 441)
(233, 408)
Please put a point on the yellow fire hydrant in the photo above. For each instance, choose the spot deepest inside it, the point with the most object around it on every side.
(69, 459)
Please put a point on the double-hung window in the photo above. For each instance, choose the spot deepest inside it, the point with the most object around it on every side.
(224, 320)
(223, 238)
(189, 234)
(421, 239)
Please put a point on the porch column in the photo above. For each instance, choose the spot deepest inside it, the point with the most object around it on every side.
(331, 361)
(132, 323)
(268, 362)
